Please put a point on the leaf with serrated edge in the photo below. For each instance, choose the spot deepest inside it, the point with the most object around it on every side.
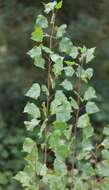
(91, 108)
(37, 35)
(34, 91)
(41, 21)
(61, 30)
(32, 110)
(90, 94)
(83, 121)
(67, 85)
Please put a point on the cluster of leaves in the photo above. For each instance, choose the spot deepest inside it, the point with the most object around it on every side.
(63, 116)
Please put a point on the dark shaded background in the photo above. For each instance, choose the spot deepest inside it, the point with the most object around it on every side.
(88, 23)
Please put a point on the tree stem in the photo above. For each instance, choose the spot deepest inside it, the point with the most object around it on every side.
(49, 81)
(76, 121)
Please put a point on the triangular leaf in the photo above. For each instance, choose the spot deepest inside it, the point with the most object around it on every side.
(39, 62)
(69, 71)
(37, 35)
(24, 179)
(59, 5)
(61, 30)
(34, 91)
(65, 45)
(50, 6)
(28, 145)
(42, 21)
(90, 94)
(35, 51)
(32, 110)
(91, 108)
(90, 54)
(106, 130)
(67, 85)
(83, 121)
(31, 124)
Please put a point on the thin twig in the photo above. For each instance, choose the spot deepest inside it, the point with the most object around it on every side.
(49, 82)
(75, 126)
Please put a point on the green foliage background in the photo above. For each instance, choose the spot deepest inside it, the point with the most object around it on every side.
(87, 24)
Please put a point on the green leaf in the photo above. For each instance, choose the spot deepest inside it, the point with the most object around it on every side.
(32, 175)
(37, 35)
(81, 73)
(43, 170)
(70, 63)
(30, 125)
(90, 54)
(87, 171)
(64, 112)
(32, 110)
(46, 49)
(59, 145)
(91, 108)
(90, 94)
(84, 155)
(87, 145)
(106, 130)
(83, 121)
(87, 132)
(89, 73)
(39, 165)
(35, 51)
(50, 6)
(74, 52)
(103, 169)
(105, 154)
(55, 182)
(79, 185)
(104, 185)
(85, 151)
(60, 167)
(39, 62)
(60, 96)
(61, 107)
(45, 90)
(85, 75)
(65, 45)
(59, 5)
(24, 179)
(28, 145)
(105, 143)
(62, 126)
(68, 133)
(42, 21)
(57, 102)
(61, 31)
(36, 54)
(32, 159)
(58, 66)
(67, 85)
(56, 58)
(34, 91)
(69, 71)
